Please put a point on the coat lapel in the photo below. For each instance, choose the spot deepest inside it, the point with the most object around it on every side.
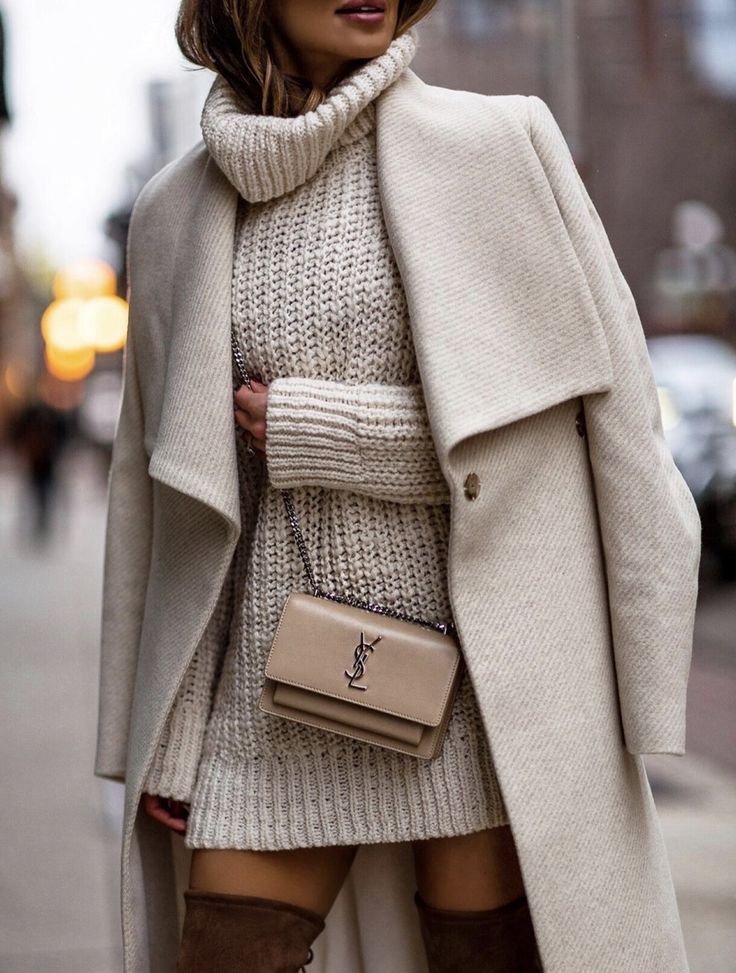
(195, 450)
(503, 320)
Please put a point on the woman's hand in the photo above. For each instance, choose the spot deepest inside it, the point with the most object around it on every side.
(169, 812)
(250, 412)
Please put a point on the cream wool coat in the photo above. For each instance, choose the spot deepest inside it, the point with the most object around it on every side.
(573, 573)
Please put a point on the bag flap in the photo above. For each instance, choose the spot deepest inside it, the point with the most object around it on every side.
(368, 659)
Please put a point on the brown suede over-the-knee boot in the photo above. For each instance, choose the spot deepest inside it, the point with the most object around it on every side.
(497, 940)
(245, 934)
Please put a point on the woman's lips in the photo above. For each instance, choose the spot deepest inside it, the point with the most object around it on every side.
(362, 17)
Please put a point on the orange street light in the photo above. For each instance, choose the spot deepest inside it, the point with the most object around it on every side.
(85, 279)
(69, 365)
(63, 325)
(105, 320)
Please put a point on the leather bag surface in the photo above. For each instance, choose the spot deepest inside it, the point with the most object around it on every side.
(362, 674)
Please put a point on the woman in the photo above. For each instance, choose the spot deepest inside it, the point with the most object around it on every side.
(444, 335)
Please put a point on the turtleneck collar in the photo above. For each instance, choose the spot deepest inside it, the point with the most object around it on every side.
(265, 156)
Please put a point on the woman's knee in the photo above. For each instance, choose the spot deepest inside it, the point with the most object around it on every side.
(473, 871)
(306, 877)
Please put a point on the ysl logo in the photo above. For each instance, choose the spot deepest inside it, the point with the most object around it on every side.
(361, 657)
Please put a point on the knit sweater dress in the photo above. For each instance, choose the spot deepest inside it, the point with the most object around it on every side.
(320, 312)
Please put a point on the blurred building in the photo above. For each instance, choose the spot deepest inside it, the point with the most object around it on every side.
(4, 111)
(645, 92)
(14, 347)
(174, 107)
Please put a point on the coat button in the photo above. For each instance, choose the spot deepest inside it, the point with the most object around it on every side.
(472, 486)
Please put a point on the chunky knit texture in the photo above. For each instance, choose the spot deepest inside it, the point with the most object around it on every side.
(322, 317)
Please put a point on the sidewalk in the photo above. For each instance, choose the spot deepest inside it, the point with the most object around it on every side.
(60, 825)
(697, 809)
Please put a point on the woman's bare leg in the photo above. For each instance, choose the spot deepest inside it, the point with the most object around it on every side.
(307, 877)
(471, 872)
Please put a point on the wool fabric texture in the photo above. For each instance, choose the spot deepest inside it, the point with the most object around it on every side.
(321, 314)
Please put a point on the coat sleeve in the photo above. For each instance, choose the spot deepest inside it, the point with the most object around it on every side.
(650, 527)
(128, 537)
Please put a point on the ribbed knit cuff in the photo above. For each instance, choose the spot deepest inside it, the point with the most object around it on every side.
(173, 772)
(370, 438)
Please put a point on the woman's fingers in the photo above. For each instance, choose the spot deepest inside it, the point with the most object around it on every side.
(250, 412)
(173, 814)
(255, 426)
(252, 401)
(255, 431)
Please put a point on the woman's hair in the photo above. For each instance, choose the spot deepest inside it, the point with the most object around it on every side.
(233, 38)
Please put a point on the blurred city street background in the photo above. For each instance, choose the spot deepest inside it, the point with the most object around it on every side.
(94, 99)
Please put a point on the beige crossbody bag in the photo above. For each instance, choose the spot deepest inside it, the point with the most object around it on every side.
(358, 668)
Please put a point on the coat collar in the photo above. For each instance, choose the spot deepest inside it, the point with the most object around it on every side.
(195, 450)
(503, 319)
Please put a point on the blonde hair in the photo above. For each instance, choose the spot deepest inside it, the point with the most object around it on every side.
(233, 38)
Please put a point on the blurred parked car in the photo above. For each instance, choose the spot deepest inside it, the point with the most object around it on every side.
(696, 381)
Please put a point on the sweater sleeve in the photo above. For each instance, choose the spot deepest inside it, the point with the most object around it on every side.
(173, 771)
(371, 438)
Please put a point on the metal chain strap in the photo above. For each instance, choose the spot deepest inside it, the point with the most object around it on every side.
(444, 627)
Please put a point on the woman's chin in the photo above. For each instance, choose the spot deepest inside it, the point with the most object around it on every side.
(361, 41)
